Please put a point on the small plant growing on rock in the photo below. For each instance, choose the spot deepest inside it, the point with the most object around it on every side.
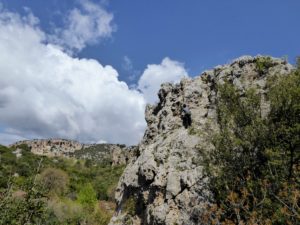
(192, 130)
(130, 206)
(263, 64)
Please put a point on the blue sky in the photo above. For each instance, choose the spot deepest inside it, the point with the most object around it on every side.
(200, 34)
(63, 62)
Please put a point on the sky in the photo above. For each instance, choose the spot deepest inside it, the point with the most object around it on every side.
(85, 69)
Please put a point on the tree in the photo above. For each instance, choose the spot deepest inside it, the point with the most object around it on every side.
(54, 180)
(87, 195)
(257, 177)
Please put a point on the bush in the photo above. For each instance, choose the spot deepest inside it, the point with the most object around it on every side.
(54, 180)
(66, 211)
(257, 177)
(27, 209)
(87, 195)
(130, 206)
(65, 192)
(263, 64)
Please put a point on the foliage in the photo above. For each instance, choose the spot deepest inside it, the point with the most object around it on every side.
(41, 190)
(130, 205)
(257, 177)
(298, 63)
(66, 211)
(87, 195)
(285, 122)
(23, 207)
(263, 64)
(54, 180)
(106, 182)
(192, 130)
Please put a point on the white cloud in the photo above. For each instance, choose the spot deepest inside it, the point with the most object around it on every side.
(151, 79)
(127, 64)
(47, 93)
(87, 24)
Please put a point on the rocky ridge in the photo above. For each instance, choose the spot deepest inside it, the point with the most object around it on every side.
(106, 153)
(51, 147)
(113, 154)
(166, 185)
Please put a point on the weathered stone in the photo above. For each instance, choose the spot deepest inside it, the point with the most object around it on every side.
(115, 154)
(167, 177)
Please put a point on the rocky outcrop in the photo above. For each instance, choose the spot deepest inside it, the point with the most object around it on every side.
(113, 154)
(51, 147)
(104, 153)
(166, 184)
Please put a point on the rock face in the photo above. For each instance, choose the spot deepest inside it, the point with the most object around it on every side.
(51, 147)
(108, 153)
(166, 184)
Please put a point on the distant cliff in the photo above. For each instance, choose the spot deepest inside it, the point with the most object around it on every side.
(108, 153)
(166, 185)
(51, 147)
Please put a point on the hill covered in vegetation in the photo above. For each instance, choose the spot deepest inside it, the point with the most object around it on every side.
(40, 190)
(115, 154)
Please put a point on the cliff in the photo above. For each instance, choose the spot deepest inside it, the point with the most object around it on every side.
(104, 153)
(166, 184)
(51, 147)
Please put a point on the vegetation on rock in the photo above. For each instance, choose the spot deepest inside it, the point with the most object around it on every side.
(257, 177)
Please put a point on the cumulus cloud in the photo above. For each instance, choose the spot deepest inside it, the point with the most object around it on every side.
(155, 74)
(87, 24)
(46, 93)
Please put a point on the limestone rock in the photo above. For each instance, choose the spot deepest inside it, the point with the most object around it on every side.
(166, 180)
(51, 147)
(108, 153)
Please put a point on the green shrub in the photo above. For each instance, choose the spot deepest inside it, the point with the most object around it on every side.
(27, 209)
(3, 149)
(24, 147)
(130, 206)
(65, 192)
(54, 180)
(66, 211)
(254, 169)
(87, 195)
(263, 64)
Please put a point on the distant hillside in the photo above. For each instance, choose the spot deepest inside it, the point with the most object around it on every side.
(51, 147)
(35, 189)
(110, 153)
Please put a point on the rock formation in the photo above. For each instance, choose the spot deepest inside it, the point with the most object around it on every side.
(166, 185)
(104, 153)
(107, 153)
(51, 147)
